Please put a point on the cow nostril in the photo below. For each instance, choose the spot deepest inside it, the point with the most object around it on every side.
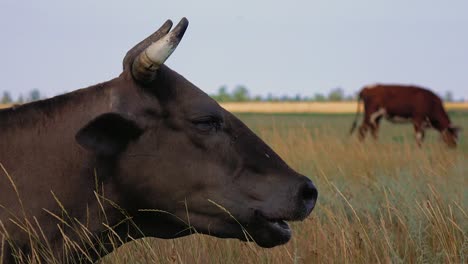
(308, 192)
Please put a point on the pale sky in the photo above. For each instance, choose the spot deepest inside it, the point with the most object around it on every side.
(279, 47)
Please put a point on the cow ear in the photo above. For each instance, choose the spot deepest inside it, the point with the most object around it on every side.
(108, 134)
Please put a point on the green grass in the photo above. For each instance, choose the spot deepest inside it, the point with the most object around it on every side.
(379, 202)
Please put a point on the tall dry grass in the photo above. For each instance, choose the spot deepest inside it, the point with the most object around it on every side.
(379, 202)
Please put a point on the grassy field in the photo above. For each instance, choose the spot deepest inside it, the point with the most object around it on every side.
(379, 202)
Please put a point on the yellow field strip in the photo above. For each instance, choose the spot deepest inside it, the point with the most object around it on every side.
(304, 107)
(4, 105)
(309, 107)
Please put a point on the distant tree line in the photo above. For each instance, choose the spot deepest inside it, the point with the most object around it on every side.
(31, 96)
(240, 93)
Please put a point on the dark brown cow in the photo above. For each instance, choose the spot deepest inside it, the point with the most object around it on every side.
(401, 103)
(83, 172)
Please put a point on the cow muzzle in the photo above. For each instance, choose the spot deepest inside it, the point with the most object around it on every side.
(269, 229)
(308, 195)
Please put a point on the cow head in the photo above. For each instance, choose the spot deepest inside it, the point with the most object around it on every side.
(450, 135)
(179, 152)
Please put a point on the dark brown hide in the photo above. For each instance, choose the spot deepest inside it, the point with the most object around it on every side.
(111, 153)
(400, 103)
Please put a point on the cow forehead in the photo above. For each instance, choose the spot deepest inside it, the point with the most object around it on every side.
(203, 108)
(193, 101)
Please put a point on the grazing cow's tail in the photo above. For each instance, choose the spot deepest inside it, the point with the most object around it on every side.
(353, 126)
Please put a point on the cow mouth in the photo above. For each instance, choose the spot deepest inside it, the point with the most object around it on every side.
(268, 232)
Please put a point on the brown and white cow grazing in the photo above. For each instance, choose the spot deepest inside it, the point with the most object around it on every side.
(146, 154)
(404, 103)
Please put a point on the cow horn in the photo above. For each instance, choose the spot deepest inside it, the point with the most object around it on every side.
(147, 63)
(138, 48)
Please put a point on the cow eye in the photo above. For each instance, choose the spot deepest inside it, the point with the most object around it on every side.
(208, 124)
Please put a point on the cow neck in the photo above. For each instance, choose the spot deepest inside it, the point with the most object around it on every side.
(38, 142)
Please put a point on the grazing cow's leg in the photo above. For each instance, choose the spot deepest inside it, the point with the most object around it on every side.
(367, 123)
(374, 121)
(362, 131)
(419, 131)
(375, 127)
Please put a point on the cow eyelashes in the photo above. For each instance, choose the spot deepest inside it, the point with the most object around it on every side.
(208, 124)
